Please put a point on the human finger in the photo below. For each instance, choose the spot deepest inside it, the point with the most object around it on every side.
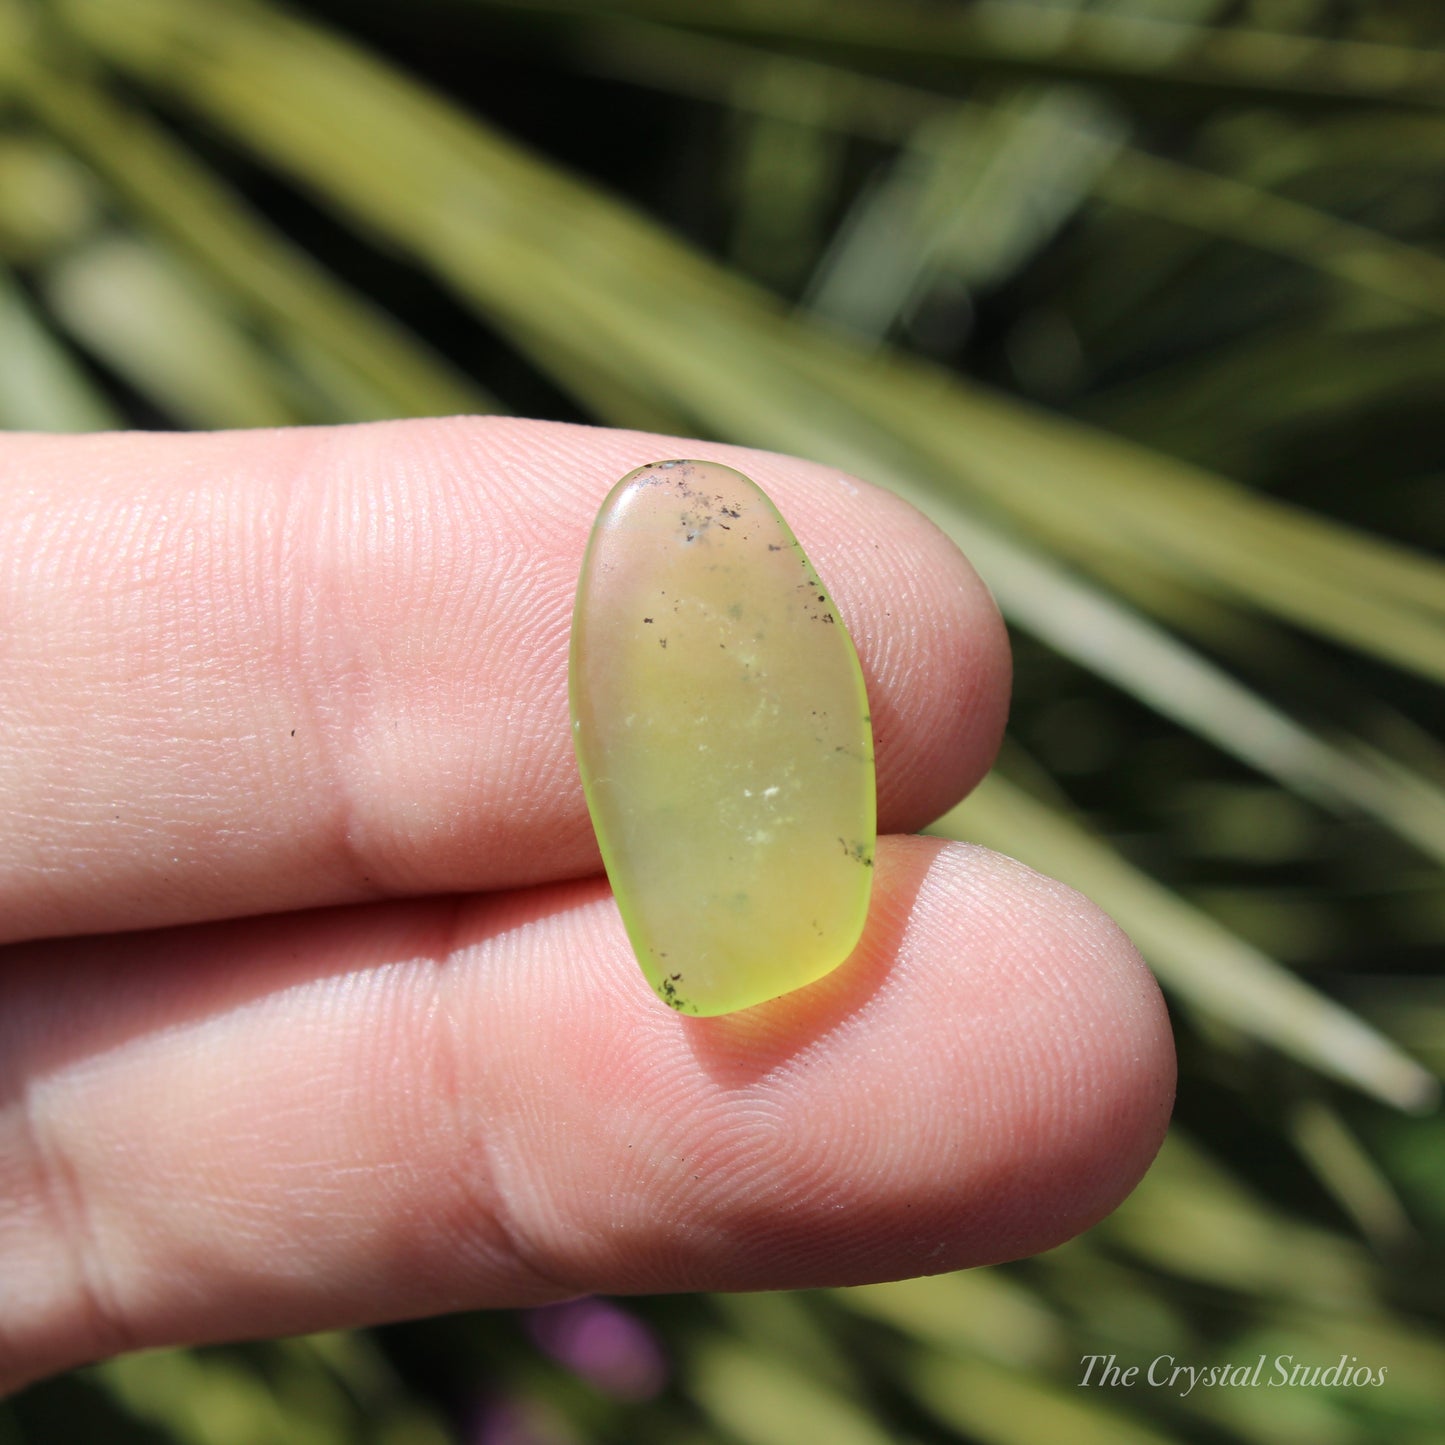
(255, 671)
(411, 1107)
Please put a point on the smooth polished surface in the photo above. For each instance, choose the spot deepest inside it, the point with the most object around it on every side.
(723, 735)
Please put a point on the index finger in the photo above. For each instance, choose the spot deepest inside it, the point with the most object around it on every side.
(256, 671)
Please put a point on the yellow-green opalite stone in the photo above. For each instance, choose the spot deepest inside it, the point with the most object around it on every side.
(722, 731)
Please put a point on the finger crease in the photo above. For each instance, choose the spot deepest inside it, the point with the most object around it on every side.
(64, 1195)
(472, 1152)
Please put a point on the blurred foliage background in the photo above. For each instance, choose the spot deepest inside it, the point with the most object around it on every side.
(1144, 302)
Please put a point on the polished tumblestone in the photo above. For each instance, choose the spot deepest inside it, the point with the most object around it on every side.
(723, 736)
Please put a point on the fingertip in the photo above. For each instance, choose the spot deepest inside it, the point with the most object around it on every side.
(988, 1075)
(997, 1052)
(932, 642)
(1080, 1048)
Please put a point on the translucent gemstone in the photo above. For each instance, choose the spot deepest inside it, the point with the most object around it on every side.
(723, 736)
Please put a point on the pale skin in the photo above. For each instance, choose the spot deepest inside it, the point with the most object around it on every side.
(314, 1006)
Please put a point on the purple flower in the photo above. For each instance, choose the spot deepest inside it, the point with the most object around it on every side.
(614, 1351)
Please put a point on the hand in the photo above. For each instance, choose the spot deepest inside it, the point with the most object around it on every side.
(314, 1006)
